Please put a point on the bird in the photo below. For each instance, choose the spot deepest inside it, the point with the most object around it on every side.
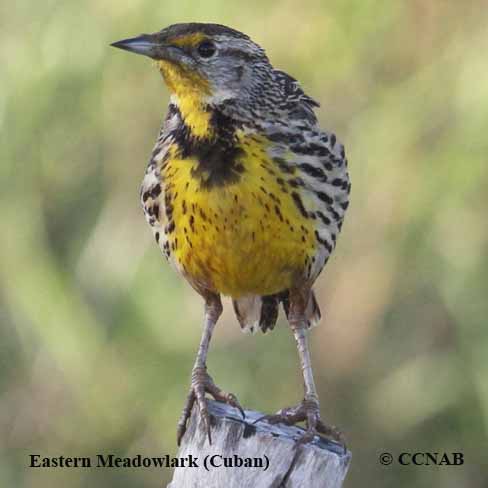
(245, 195)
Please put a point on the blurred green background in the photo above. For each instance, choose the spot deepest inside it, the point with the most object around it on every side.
(98, 334)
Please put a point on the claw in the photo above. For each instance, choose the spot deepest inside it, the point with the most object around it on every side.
(185, 414)
(202, 405)
(206, 424)
(202, 383)
(307, 437)
(264, 417)
(332, 432)
(223, 397)
(308, 412)
(232, 400)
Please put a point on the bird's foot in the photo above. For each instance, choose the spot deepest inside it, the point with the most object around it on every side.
(307, 411)
(201, 383)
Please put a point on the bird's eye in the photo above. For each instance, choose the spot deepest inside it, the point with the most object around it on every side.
(206, 49)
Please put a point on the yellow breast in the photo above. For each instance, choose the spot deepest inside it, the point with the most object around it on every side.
(245, 237)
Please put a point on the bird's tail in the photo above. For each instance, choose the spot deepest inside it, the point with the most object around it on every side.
(256, 311)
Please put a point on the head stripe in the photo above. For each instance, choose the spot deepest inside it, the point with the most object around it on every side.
(177, 30)
(188, 40)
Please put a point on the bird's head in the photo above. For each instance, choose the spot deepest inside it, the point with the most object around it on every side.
(208, 63)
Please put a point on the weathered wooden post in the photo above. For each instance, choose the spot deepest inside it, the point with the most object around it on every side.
(269, 454)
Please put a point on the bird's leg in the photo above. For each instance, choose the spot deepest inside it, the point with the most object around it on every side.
(201, 381)
(308, 410)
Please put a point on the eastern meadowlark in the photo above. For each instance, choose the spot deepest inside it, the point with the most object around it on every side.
(244, 192)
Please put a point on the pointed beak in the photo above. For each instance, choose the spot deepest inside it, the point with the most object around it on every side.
(155, 47)
(144, 44)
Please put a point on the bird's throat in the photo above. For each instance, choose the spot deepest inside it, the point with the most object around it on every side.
(189, 93)
(195, 115)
